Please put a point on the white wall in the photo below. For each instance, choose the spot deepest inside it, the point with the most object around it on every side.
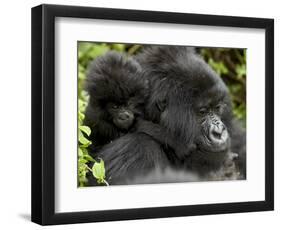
(15, 113)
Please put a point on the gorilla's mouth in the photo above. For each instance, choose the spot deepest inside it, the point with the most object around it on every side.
(123, 123)
(207, 145)
(214, 138)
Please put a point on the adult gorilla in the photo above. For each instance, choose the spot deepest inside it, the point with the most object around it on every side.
(193, 105)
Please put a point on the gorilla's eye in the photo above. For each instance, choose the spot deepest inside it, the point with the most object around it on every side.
(203, 110)
(219, 108)
(114, 106)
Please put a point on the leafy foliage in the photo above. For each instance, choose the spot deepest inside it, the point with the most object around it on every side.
(83, 143)
(86, 53)
(98, 172)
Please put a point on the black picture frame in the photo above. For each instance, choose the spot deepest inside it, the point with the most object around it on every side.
(43, 113)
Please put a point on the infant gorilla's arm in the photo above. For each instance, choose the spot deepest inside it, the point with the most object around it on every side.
(162, 136)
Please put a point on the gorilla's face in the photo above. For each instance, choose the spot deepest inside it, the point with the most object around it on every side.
(124, 113)
(214, 135)
(198, 118)
(212, 110)
(121, 115)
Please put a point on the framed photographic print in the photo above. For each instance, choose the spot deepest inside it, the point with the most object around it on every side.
(141, 114)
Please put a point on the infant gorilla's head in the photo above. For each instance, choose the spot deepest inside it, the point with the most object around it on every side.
(117, 91)
(187, 98)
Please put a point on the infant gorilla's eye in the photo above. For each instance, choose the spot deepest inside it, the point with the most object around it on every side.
(114, 106)
(203, 110)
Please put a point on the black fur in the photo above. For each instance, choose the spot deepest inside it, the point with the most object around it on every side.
(131, 156)
(180, 84)
(181, 80)
(115, 79)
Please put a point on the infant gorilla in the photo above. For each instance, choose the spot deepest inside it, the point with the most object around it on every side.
(118, 95)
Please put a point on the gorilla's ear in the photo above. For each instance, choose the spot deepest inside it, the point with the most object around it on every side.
(161, 104)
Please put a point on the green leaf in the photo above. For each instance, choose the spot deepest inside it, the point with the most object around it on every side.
(85, 151)
(219, 67)
(241, 70)
(81, 116)
(81, 75)
(80, 152)
(118, 47)
(82, 161)
(84, 46)
(83, 140)
(89, 158)
(98, 50)
(81, 105)
(85, 129)
(98, 170)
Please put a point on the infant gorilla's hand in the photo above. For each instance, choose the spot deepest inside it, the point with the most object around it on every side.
(229, 166)
(228, 171)
(230, 159)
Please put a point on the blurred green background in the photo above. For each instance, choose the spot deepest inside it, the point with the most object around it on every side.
(229, 63)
